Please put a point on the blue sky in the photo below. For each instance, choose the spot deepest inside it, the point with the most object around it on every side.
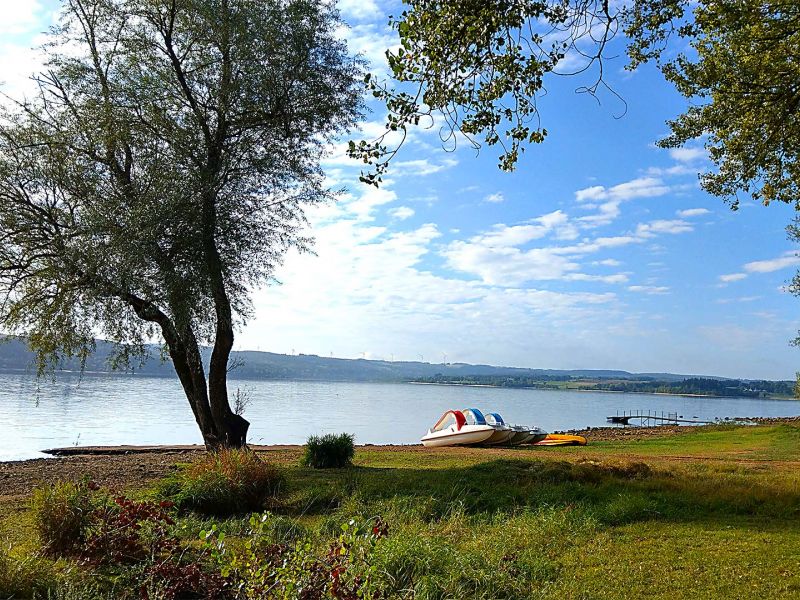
(600, 251)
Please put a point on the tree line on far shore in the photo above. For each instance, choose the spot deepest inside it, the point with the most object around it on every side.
(695, 385)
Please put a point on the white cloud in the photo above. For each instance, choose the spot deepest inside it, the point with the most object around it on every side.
(363, 206)
(499, 256)
(686, 155)
(596, 192)
(671, 171)
(693, 212)
(607, 201)
(608, 262)
(422, 166)
(789, 259)
(359, 9)
(507, 265)
(370, 283)
(507, 236)
(20, 16)
(607, 213)
(17, 65)
(739, 299)
(641, 187)
(495, 198)
(616, 278)
(371, 41)
(401, 213)
(648, 289)
(673, 226)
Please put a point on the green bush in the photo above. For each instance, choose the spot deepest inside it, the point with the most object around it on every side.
(62, 513)
(260, 568)
(224, 483)
(329, 451)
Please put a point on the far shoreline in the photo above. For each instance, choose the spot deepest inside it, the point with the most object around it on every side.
(544, 389)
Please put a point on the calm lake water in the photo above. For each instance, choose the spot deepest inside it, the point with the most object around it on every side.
(111, 410)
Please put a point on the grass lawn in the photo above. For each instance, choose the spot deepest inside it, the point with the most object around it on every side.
(713, 513)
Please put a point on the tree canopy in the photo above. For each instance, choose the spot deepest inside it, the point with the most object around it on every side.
(742, 78)
(478, 66)
(161, 172)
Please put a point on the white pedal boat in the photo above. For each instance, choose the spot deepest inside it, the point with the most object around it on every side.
(535, 434)
(452, 429)
(520, 436)
(517, 434)
(502, 434)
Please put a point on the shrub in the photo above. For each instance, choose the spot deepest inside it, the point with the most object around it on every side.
(127, 531)
(167, 580)
(62, 512)
(338, 570)
(224, 483)
(329, 451)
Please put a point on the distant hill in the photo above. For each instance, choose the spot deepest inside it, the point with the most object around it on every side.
(14, 355)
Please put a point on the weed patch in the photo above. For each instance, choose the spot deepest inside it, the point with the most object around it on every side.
(225, 483)
(62, 513)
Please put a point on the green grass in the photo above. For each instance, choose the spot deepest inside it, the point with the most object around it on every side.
(713, 513)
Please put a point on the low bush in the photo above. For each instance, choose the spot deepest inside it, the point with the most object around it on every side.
(128, 531)
(62, 513)
(225, 483)
(329, 451)
(339, 569)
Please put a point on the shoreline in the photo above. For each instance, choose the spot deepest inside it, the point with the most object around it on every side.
(596, 434)
(126, 467)
(566, 389)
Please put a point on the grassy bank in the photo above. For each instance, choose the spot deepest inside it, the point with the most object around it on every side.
(711, 513)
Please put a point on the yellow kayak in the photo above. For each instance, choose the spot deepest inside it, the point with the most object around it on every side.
(554, 439)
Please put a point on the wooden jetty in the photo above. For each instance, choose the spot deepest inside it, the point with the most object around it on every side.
(652, 418)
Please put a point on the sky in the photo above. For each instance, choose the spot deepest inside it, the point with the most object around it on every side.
(600, 251)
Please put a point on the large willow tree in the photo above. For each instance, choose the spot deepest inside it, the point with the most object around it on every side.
(160, 173)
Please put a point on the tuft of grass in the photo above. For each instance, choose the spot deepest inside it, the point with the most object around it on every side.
(36, 577)
(330, 451)
(224, 483)
(62, 514)
(23, 578)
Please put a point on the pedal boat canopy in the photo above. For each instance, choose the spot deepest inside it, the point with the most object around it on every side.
(456, 428)
(451, 417)
(494, 419)
(474, 416)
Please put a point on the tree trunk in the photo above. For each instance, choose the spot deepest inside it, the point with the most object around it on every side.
(219, 426)
(232, 428)
(218, 429)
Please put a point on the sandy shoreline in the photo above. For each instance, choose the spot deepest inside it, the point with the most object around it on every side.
(591, 433)
(120, 467)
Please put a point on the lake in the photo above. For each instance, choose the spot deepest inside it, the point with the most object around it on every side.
(124, 409)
